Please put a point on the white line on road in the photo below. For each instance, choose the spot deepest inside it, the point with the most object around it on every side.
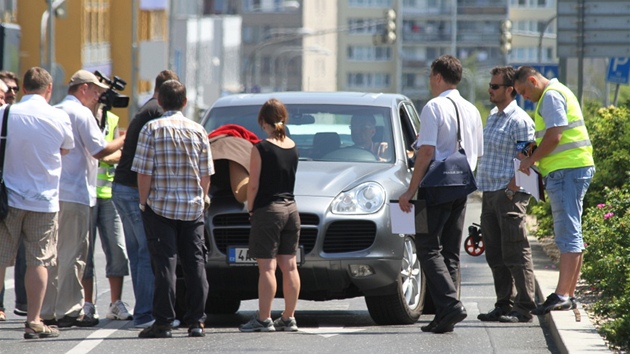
(328, 332)
(94, 339)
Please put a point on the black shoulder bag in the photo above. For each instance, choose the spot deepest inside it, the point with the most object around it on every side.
(448, 179)
(4, 199)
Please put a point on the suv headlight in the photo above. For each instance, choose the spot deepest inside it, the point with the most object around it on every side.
(366, 198)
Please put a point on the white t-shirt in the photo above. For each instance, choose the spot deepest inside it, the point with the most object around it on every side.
(78, 176)
(438, 127)
(32, 163)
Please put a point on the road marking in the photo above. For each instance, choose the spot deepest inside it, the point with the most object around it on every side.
(94, 339)
(9, 284)
(328, 332)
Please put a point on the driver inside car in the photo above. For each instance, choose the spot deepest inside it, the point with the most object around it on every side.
(363, 129)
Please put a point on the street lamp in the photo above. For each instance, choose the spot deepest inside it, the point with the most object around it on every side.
(252, 72)
(299, 51)
(540, 38)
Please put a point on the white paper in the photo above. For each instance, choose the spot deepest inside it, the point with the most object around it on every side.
(402, 223)
(528, 183)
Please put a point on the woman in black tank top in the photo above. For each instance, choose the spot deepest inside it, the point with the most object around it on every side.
(275, 231)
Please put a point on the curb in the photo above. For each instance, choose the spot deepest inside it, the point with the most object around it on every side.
(569, 335)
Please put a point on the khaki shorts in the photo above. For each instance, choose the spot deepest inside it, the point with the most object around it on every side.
(275, 230)
(38, 230)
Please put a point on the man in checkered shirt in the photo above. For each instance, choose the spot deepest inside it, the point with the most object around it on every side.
(174, 164)
(504, 205)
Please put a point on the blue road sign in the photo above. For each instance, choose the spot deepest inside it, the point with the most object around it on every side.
(549, 71)
(618, 70)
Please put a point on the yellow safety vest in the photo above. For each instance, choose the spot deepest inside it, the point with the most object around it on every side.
(575, 149)
(105, 175)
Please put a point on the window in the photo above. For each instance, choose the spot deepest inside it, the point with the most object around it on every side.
(368, 80)
(371, 53)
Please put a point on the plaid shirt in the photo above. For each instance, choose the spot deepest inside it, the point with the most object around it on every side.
(175, 152)
(500, 135)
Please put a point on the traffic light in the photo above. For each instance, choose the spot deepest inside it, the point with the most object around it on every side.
(390, 26)
(506, 36)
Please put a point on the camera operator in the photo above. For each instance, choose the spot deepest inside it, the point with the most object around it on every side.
(106, 219)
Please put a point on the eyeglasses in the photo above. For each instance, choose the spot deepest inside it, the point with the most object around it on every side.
(496, 86)
(14, 88)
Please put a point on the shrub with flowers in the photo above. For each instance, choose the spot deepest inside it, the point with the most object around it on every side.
(606, 219)
(606, 230)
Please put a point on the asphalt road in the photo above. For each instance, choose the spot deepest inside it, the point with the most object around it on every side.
(341, 326)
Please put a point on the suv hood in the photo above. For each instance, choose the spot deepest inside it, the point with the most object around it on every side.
(328, 179)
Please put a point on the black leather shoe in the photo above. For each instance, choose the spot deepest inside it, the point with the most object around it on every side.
(66, 321)
(450, 319)
(493, 315)
(515, 317)
(156, 331)
(429, 327)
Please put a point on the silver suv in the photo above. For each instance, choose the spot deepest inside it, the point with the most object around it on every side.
(342, 193)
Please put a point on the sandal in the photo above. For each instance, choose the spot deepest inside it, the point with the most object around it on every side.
(39, 330)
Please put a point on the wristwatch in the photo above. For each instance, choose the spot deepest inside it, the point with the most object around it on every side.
(509, 193)
(141, 206)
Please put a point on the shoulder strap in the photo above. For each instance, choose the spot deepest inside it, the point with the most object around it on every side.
(459, 135)
(3, 138)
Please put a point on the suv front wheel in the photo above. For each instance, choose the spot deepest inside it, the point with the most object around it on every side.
(404, 307)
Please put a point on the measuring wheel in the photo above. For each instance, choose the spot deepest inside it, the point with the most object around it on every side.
(473, 244)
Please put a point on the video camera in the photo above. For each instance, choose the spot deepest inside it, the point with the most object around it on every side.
(110, 98)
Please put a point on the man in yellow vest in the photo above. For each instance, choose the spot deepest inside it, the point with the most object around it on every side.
(565, 159)
(106, 219)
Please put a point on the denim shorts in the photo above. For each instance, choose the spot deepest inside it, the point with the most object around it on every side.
(566, 189)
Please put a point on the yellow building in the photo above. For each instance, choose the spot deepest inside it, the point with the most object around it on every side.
(91, 35)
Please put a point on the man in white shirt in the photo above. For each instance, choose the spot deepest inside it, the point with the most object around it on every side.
(64, 298)
(439, 249)
(38, 135)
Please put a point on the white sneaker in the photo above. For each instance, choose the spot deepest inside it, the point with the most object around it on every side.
(89, 310)
(118, 311)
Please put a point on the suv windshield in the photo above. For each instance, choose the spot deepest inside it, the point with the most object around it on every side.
(323, 132)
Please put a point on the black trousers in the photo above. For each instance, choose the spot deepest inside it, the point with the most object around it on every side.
(169, 240)
(438, 251)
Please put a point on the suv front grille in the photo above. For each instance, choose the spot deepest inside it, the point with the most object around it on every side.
(233, 229)
(349, 236)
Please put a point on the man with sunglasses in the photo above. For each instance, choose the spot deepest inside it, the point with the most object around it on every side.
(13, 84)
(504, 204)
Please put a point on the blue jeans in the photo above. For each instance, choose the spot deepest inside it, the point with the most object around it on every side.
(566, 189)
(126, 200)
(106, 220)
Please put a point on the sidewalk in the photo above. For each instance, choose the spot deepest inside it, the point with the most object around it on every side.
(569, 335)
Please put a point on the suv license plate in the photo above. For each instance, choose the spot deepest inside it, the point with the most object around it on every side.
(239, 255)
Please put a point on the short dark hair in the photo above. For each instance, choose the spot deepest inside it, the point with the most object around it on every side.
(274, 113)
(523, 72)
(172, 95)
(9, 75)
(164, 76)
(36, 79)
(507, 72)
(449, 67)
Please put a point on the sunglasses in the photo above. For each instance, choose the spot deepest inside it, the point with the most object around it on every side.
(14, 88)
(496, 86)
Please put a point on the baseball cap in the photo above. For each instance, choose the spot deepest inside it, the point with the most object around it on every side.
(85, 77)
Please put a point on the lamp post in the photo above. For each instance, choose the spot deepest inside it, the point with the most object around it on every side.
(540, 38)
(252, 74)
(299, 51)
